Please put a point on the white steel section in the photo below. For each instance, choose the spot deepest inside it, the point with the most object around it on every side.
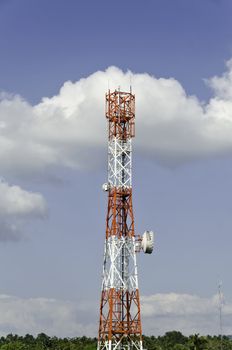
(120, 163)
(117, 345)
(120, 252)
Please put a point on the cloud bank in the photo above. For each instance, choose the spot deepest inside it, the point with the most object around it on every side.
(160, 313)
(50, 316)
(185, 312)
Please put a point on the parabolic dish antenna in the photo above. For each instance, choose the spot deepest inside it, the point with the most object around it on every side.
(148, 242)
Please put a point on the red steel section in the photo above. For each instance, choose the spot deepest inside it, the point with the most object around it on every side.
(120, 111)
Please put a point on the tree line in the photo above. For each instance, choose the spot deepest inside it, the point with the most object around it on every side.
(170, 341)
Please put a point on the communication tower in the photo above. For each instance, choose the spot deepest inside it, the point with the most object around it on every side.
(120, 316)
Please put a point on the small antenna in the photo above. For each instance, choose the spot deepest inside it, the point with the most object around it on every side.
(220, 306)
(130, 83)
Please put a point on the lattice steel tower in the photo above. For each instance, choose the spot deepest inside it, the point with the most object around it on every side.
(120, 317)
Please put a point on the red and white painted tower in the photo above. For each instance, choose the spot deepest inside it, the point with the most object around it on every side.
(120, 316)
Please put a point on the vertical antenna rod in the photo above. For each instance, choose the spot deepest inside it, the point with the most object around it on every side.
(220, 306)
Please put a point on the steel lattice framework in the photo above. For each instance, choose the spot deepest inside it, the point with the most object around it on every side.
(120, 320)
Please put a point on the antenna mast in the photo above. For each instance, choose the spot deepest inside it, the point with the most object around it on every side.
(220, 306)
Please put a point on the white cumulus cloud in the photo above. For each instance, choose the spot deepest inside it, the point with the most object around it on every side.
(69, 129)
(16, 201)
(16, 206)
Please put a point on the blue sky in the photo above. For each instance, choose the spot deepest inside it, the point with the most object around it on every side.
(52, 234)
(44, 43)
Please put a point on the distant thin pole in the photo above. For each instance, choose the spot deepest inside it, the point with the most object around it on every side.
(220, 306)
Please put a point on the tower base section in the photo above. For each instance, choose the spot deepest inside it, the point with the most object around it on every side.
(124, 343)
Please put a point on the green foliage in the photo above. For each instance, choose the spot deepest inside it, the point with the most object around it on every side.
(170, 341)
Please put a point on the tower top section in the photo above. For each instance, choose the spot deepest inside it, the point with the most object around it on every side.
(120, 111)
